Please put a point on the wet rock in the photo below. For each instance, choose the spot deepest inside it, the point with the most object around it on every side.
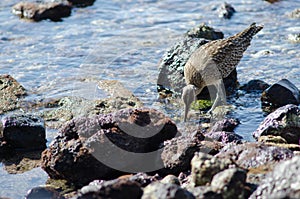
(159, 190)
(284, 122)
(68, 108)
(41, 11)
(10, 93)
(227, 124)
(225, 137)
(6, 150)
(231, 183)
(295, 13)
(272, 1)
(117, 189)
(226, 11)
(282, 182)
(252, 155)
(81, 3)
(43, 192)
(254, 86)
(205, 166)
(114, 88)
(294, 38)
(24, 131)
(279, 94)
(102, 146)
(178, 152)
(171, 67)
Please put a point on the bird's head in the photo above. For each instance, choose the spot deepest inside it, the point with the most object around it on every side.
(188, 96)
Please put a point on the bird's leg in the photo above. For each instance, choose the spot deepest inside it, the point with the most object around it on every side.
(219, 96)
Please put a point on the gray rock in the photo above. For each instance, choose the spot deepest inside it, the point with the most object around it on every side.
(204, 192)
(102, 146)
(227, 124)
(225, 137)
(43, 192)
(295, 13)
(254, 155)
(284, 122)
(205, 166)
(24, 131)
(255, 86)
(41, 11)
(230, 183)
(205, 32)
(159, 190)
(10, 93)
(226, 11)
(282, 182)
(279, 94)
(170, 179)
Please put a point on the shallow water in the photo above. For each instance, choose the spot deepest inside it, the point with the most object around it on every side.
(125, 40)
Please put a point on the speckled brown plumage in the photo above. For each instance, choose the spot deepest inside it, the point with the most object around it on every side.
(216, 60)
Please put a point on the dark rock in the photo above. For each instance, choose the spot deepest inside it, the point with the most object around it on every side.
(227, 124)
(282, 182)
(226, 11)
(116, 189)
(225, 137)
(205, 32)
(279, 94)
(6, 150)
(41, 11)
(204, 192)
(10, 93)
(43, 192)
(159, 190)
(24, 131)
(178, 152)
(102, 146)
(231, 183)
(272, 1)
(252, 155)
(171, 67)
(254, 86)
(284, 122)
(82, 3)
(205, 166)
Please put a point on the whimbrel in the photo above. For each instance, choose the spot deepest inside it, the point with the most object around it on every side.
(212, 62)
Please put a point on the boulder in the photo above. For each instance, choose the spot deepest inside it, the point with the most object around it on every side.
(279, 94)
(284, 122)
(107, 146)
(225, 137)
(24, 131)
(226, 124)
(255, 86)
(10, 93)
(40, 11)
(226, 11)
(43, 192)
(282, 182)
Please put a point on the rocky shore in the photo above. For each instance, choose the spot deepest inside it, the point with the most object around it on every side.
(117, 148)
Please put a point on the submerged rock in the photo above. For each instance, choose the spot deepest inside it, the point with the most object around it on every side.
(279, 94)
(284, 122)
(254, 86)
(82, 3)
(295, 13)
(160, 190)
(24, 131)
(41, 11)
(282, 182)
(226, 11)
(107, 146)
(10, 93)
(43, 192)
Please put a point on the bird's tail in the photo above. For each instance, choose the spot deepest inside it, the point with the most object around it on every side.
(249, 32)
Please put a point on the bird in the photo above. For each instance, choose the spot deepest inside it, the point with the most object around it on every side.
(212, 62)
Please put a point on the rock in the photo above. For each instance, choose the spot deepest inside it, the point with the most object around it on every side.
(68, 108)
(255, 86)
(226, 11)
(10, 93)
(294, 37)
(225, 137)
(102, 146)
(178, 152)
(171, 67)
(116, 189)
(279, 94)
(284, 122)
(159, 190)
(43, 192)
(253, 155)
(205, 166)
(24, 131)
(81, 3)
(227, 124)
(41, 11)
(231, 183)
(204, 192)
(115, 88)
(272, 1)
(170, 179)
(282, 182)
(144, 179)
(205, 32)
(295, 13)
(6, 150)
